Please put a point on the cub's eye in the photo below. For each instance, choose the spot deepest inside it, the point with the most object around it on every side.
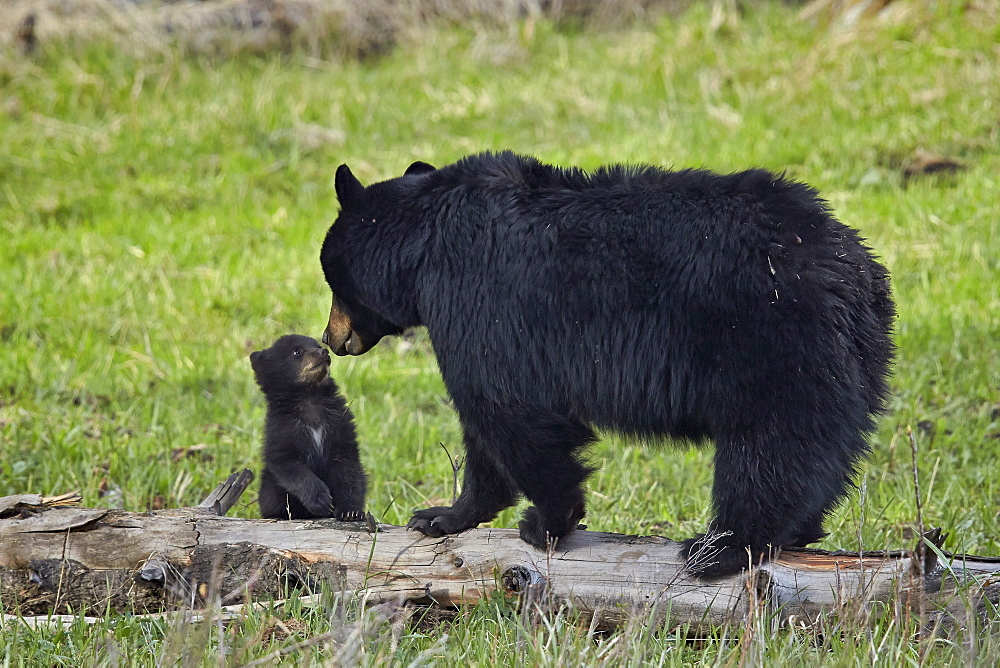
(297, 351)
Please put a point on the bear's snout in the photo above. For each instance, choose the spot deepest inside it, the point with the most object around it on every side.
(339, 336)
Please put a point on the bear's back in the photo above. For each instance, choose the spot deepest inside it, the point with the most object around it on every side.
(656, 288)
(509, 171)
(676, 211)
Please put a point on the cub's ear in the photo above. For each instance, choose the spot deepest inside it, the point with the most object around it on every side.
(349, 189)
(418, 168)
(255, 357)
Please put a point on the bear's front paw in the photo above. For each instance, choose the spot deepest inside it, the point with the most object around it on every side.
(718, 557)
(532, 529)
(348, 515)
(534, 532)
(438, 521)
(318, 501)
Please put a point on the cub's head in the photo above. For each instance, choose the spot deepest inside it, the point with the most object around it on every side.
(293, 361)
(362, 263)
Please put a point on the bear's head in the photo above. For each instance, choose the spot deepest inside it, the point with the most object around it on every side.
(293, 361)
(362, 258)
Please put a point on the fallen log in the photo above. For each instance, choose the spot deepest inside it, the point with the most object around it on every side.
(60, 560)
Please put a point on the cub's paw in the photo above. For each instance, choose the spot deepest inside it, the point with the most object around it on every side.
(438, 521)
(717, 557)
(349, 515)
(318, 501)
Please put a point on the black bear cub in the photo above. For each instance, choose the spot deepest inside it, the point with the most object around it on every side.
(311, 463)
(726, 307)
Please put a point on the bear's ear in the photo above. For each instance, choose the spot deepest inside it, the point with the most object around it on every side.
(349, 189)
(418, 168)
(255, 357)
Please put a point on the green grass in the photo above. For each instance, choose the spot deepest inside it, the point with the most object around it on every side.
(161, 216)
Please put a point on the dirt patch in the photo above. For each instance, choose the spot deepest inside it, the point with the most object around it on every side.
(924, 163)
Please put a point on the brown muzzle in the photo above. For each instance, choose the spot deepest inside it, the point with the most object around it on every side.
(339, 335)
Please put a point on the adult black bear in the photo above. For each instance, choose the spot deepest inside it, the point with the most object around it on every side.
(311, 463)
(634, 299)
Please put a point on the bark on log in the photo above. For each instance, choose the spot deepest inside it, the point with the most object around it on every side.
(59, 560)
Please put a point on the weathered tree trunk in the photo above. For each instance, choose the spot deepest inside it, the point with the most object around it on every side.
(58, 559)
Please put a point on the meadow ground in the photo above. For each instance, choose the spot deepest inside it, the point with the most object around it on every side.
(161, 216)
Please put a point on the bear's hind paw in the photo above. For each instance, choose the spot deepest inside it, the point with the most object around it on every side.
(710, 559)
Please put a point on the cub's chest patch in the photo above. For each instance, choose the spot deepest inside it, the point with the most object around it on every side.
(318, 433)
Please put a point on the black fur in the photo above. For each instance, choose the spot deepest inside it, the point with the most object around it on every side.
(651, 302)
(311, 463)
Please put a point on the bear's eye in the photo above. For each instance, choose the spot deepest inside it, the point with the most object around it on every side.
(297, 351)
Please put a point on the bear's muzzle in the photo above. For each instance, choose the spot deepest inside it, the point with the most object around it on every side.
(340, 336)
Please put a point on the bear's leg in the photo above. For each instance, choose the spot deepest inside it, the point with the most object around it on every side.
(486, 490)
(541, 460)
(771, 490)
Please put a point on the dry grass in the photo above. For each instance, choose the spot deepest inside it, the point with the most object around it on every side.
(358, 28)
(347, 28)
